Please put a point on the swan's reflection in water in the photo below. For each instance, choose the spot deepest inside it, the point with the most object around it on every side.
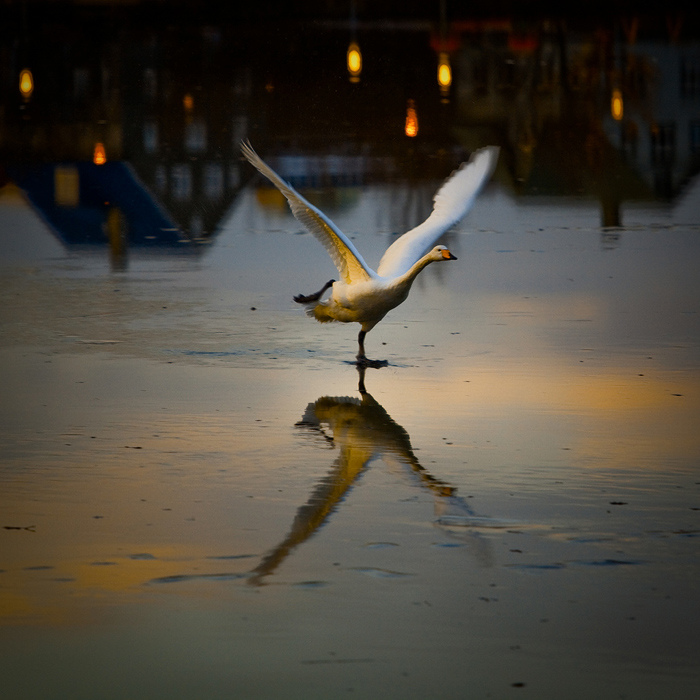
(364, 432)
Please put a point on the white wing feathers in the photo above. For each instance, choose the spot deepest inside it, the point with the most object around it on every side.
(347, 259)
(452, 201)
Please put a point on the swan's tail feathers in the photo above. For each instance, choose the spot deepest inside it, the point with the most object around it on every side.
(311, 298)
(320, 312)
(315, 308)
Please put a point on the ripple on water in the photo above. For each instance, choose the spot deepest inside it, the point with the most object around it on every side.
(556, 566)
(380, 573)
(185, 578)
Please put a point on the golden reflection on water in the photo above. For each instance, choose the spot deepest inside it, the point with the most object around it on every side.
(113, 514)
(623, 420)
(135, 509)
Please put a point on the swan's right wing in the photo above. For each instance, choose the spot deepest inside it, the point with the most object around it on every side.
(452, 201)
(347, 259)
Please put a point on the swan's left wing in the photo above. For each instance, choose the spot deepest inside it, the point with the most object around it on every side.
(347, 259)
(452, 201)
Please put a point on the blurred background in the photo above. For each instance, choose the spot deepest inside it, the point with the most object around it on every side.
(121, 121)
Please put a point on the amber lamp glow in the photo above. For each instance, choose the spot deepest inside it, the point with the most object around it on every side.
(444, 72)
(616, 105)
(411, 128)
(99, 157)
(354, 59)
(26, 83)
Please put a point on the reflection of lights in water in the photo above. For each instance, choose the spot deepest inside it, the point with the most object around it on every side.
(354, 57)
(411, 128)
(26, 83)
(99, 157)
(616, 105)
(444, 75)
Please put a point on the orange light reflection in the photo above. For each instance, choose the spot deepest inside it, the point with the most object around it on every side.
(26, 83)
(99, 156)
(354, 61)
(616, 105)
(444, 72)
(411, 128)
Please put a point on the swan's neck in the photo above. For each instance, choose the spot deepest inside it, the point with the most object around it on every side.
(408, 277)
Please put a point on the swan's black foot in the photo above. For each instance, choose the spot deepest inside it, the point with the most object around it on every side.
(362, 361)
(308, 299)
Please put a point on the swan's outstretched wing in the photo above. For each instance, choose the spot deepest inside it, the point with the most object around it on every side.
(452, 201)
(349, 262)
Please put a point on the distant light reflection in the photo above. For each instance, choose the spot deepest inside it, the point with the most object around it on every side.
(411, 127)
(444, 74)
(354, 61)
(99, 155)
(26, 83)
(616, 105)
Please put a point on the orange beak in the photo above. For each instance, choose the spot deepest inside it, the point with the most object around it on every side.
(447, 255)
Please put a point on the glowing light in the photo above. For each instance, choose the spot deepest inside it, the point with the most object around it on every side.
(411, 128)
(444, 72)
(354, 58)
(99, 157)
(616, 105)
(26, 83)
(188, 102)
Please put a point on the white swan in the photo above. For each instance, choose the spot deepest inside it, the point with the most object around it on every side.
(363, 295)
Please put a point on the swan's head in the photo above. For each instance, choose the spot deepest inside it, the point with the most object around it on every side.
(440, 252)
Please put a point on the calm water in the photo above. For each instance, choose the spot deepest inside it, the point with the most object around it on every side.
(196, 499)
